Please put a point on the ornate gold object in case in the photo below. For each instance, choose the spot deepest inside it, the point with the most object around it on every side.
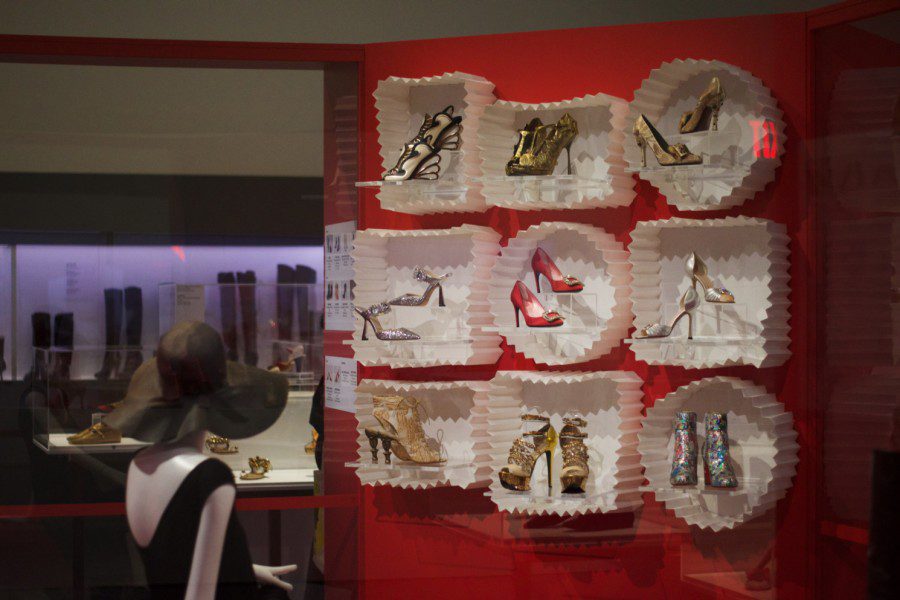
(400, 430)
(706, 114)
(220, 445)
(540, 145)
(516, 475)
(645, 134)
(310, 448)
(98, 433)
(259, 466)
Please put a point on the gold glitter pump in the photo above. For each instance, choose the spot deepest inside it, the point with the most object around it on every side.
(706, 114)
(645, 134)
(516, 475)
(540, 145)
(400, 430)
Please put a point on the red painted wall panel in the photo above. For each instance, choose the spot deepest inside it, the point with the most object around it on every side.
(448, 543)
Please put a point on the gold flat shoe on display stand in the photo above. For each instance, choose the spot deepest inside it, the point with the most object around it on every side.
(220, 445)
(434, 283)
(575, 469)
(523, 456)
(688, 302)
(98, 433)
(259, 466)
(539, 147)
(706, 114)
(645, 134)
(400, 430)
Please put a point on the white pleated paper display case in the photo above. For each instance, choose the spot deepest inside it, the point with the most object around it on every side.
(453, 415)
(747, 256)
(762, 446)
(457, 333)
(401, 104)
(739, 158)
(596, 319)
(592, 175)
(610, 402)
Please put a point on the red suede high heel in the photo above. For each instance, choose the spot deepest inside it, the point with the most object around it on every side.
(532, 309)
(542, 264)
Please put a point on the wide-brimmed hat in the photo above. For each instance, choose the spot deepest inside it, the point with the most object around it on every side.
(190, 386)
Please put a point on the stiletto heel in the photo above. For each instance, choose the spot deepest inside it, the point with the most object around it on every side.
(532, 309)
(666, 155)
(523, 456)
(549, 455)
(699, 274)
(433, 281)
(370, 318)
(569, 158)
(539, 146)
(643, 146)
(706, 113)
(688, 303)
(542, 264)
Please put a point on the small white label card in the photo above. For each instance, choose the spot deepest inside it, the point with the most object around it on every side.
(340, 383)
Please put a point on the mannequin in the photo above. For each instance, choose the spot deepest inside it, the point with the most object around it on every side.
(180, 503)
(154, 476)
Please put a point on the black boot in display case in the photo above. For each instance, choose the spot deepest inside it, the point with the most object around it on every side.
(61, 366)
(247, 293)
(134, 326)
(284, 301)
(305, 319)
(113, 300)
(40, 341)
(228, 310)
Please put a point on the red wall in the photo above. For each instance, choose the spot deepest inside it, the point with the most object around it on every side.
(450, 543)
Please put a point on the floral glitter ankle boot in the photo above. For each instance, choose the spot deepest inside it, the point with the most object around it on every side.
(717, 468)
(684, 464)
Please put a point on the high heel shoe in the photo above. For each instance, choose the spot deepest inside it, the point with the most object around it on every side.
(370, 316)
(442, 130)
(540, 145)
(419, 160)
(434, 283)
(542, 264)
(531, 308)
(575, 468)
(400, 430)
(684, 461)
(706, 114)
(516, 475)
(688, 302)
(645, 134)
(697, 271)
(718, 471)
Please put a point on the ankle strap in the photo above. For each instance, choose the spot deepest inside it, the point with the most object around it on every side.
(579, 435)
(575, 421)
(532, 417)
